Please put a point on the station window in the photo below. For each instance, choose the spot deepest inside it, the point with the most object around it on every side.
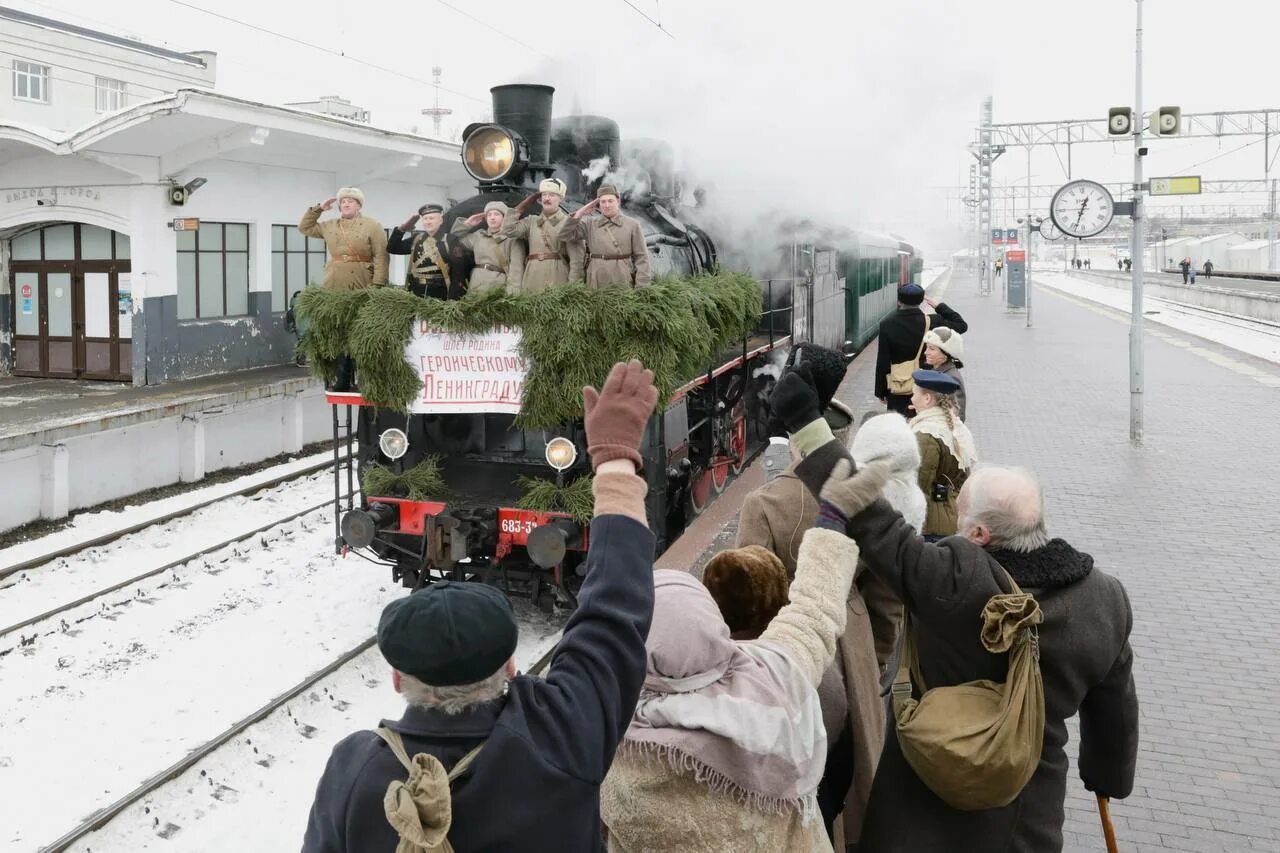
(108, 94)
(213, 271)
(295, 261)
(30, 81)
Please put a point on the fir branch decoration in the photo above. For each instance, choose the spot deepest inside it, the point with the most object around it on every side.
(420, 483)
(571, 335)
(541, 495)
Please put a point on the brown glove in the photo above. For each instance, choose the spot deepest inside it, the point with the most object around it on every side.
(850, 495)
(615, 417)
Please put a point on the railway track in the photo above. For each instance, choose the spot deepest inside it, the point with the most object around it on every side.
(152, 572)
(106, 814)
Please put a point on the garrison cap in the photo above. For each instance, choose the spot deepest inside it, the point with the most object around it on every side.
(430, 208)
(552, 185)
(607, 189)
(911, 294)
(936, 381)
(450, 633)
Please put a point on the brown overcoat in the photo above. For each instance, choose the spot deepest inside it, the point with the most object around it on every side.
(616, 254)
(776, 516)
(357, 249)
(498, 260)
(542, 237)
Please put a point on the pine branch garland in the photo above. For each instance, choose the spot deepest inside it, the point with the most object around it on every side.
(541, 495)
(421, 482)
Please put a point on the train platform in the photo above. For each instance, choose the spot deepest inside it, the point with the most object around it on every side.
(69, 444)
(1186, 520)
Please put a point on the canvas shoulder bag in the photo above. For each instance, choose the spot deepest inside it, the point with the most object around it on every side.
(976, 745)
(420, 808)
(900, 381)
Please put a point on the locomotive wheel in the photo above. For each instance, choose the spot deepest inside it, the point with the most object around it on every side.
(738, 442)
(720, 475)
(701, 491)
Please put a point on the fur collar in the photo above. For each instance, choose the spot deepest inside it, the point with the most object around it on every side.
(1057, 564)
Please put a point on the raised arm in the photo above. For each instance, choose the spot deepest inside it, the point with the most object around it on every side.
(584, 706)
(949, 317)
(310, 223)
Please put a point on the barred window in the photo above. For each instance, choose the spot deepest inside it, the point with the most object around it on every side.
(213, 271)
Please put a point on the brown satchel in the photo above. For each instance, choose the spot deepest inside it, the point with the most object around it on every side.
(420, 808)
(976, 745)
(900, 381)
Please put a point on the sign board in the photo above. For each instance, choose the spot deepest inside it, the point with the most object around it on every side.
(1184, 185)
(26, 291)
(997, 236)
(467, 373)
(188, 224)
(26, 306)
(1016, 284)
(1012, 236)
(1018, 255)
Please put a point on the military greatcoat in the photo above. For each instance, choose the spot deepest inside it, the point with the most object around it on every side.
(616, 255)
(550, 260)
(357, 249)
(498, 260)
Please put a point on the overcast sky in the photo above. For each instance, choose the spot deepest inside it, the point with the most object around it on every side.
(843, 108)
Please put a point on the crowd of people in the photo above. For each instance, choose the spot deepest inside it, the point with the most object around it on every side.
(885, 661)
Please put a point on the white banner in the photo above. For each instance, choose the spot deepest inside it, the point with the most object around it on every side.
(467, 373)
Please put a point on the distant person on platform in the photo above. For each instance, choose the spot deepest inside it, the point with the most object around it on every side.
(1208, 268)
(901, 345)
(498, 260)
(1120, 264)
(549, 260)
(356, 244)
(999, 267)
(437, 264)
(1128, 264)
(616, 254)
(503, 761)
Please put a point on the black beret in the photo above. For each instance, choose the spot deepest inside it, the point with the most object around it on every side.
(430, 208)
(911, 294)
(449, 633)
(933, 380)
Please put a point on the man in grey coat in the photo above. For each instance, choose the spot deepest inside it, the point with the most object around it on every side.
(1085, 659)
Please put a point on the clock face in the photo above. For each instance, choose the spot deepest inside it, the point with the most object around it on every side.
(1082, 209)
(1049, 231)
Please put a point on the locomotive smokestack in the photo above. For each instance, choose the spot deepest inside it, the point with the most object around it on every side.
(526, 109)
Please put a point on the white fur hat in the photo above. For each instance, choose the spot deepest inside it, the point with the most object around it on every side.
(351, 192)
(888, 437)
(552, 185)
(947, 340)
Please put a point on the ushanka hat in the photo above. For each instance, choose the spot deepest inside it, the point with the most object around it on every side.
(449, 633)
(607, 189)
(552, 185)
(911, 294)
(496, 205)
(947, 340)
(351, 192)
(936, 381)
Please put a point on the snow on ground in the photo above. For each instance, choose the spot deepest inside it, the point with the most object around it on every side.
(1237, 333)
(255, 793)
(929, 275)
(86, 526)
(66, 579)
(92, 711)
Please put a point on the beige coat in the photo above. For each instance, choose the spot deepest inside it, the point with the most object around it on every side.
(650, 809)
(616, 254)
(498, 260)
(776, 517)
(360, 239)
(541, 236)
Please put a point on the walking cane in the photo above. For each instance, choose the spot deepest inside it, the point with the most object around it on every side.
(1108, 831)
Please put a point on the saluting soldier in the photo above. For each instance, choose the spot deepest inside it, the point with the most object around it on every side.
(549, 260)
(437, 264)
(497, 258)
(356, 243)
(616, 254)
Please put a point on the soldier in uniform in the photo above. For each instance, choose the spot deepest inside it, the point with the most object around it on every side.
(549, 260)
(437, 264)
(498, 259)
(356, 244)
(616, 254)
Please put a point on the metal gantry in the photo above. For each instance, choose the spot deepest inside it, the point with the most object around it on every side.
(986, 153)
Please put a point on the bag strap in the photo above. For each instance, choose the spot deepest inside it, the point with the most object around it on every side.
(920, 351)
(397, 746)
(901, 687)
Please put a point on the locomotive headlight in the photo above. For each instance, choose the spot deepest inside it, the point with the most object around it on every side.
(561, 453)
(393, 443)
(489, 153)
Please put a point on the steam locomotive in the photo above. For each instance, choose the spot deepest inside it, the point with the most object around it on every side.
(829, 287)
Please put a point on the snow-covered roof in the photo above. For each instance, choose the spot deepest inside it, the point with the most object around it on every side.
(20, 17)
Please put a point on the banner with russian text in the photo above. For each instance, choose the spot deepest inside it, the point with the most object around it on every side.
(467, 373)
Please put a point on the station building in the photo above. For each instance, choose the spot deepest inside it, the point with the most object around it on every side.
(105, 143)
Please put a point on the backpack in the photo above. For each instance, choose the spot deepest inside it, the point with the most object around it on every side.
(976, 745)
(420, 809)
(900, 381)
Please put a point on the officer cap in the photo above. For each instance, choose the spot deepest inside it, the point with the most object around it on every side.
(430, 208)
(450, 633)
(552, 185)
(607, 189)
(911, 294)
(936, 381)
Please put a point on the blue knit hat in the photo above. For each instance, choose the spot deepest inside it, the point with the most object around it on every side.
(933, 380)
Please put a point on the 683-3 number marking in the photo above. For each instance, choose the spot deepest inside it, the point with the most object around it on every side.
(516, 525)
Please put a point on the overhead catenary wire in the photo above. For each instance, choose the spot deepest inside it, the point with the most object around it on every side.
(494, 29)
(644, 15)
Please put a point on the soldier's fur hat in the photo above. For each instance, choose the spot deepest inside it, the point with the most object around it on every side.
(749, 586)
(553, 185)
(496, 205)
(607, 189)
(351, 192)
